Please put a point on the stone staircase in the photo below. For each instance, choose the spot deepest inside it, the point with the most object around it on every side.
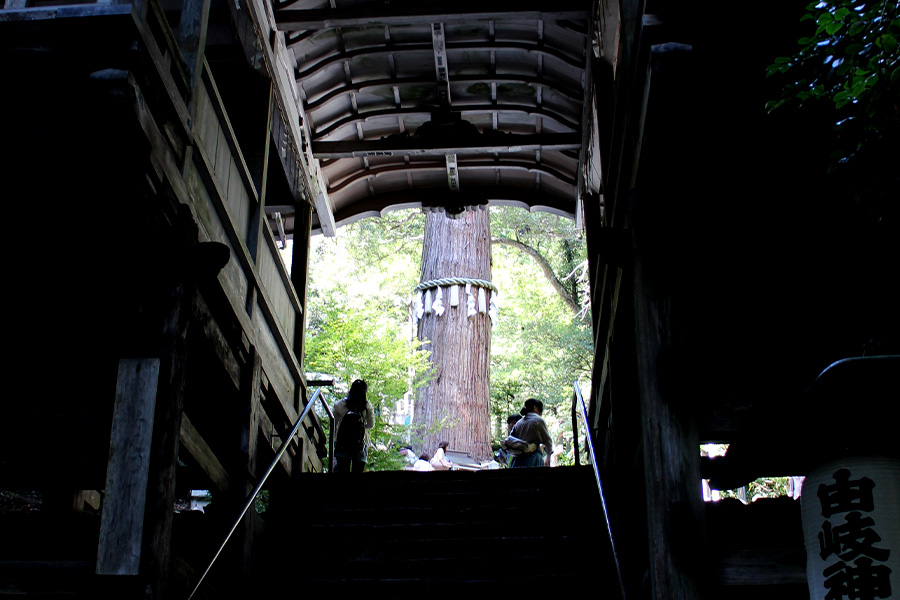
(51, 556)
(383, 535)
(439, 535)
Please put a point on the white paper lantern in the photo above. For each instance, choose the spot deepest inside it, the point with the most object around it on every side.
(851, 528)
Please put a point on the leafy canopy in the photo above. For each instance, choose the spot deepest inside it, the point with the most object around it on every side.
(358, 324)
(540, 345)
(851, 58)
(358, 327)
(848, 69)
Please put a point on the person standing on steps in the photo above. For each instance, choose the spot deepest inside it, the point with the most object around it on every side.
(532, 428)
(353, 417)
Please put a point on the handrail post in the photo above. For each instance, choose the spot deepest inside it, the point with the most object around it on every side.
(252, 497)
(330, 434)
(575, 427)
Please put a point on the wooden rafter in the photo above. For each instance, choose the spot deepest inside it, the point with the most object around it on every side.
(370, 52)
(480, 108)
(445, 12)
(412, 146)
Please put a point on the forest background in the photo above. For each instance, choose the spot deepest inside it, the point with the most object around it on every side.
(359, 321)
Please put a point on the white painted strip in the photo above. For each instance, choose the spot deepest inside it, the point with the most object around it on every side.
(452, 173)
(440, 61)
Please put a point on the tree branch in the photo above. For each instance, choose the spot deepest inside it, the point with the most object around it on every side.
(561, 290)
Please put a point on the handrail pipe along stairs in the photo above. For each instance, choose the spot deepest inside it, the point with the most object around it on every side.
(444, 511)
(262, 481)
(579, 408)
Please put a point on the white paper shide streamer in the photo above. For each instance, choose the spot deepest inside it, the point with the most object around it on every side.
(420, 309)
(438, 305)
(429, 297)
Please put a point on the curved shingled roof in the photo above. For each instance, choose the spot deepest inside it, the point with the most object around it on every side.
(440, 104)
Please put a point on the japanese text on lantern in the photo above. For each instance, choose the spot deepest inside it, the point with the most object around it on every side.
(850, 537)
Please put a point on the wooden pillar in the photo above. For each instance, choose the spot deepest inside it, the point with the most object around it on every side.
(164, 458)
(671, 445)
(191, 34)
(140, 495)
(122, 520)
(260, 177)
(246, 469)
(593, 226)
(300, 270)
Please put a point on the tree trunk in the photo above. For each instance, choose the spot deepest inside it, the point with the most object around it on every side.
(460, 346)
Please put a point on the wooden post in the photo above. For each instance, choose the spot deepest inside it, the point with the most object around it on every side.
(254, 233)
(192, 34)
(299, 269)
(169, 410)
(122, 521)
(249, 432)
(670, 435)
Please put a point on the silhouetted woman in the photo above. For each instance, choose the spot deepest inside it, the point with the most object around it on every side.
(352, 454)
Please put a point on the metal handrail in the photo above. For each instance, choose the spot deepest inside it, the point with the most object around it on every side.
(578, 406)
(252, 497)
(330, 435)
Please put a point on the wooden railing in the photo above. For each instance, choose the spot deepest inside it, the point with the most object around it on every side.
(228, 206)
(251, 498)
(219, 187)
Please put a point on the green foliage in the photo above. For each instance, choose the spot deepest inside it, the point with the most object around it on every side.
(385, 458)
(850, 63)
(852, 57)
(261, 504)
(539, 346)
(358, 327)
(351, 339)
(554, 239)
(764, 487)
(358, 321)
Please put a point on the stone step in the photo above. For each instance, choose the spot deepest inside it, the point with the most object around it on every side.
(441, 534)
(69, 579)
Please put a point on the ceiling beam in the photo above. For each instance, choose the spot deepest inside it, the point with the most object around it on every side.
(378, 205)
(422, 147)
(288, 19)
(435, 164)
(467, 110)
(559, 87)
(369, 52)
